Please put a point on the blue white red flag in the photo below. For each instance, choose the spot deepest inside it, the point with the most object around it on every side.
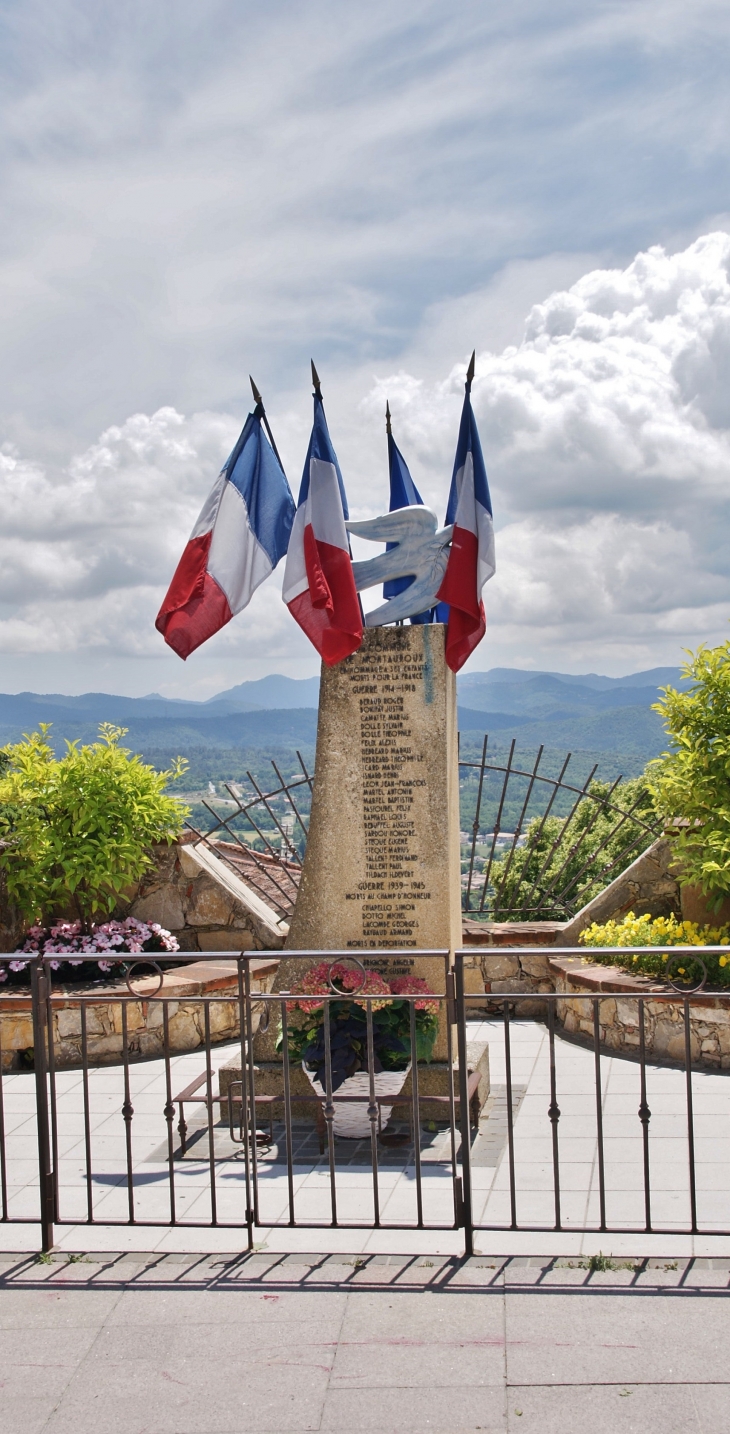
(237, 541)
(319, 587)
(403, 494)
(471, 560)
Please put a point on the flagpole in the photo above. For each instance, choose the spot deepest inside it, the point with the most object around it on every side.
(318, 394)
(470, 372)
(389, 431)
(258, 400)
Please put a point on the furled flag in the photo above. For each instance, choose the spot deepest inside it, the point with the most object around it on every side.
(471, 560)
(403, 494)
(237, 541)
(319, 587)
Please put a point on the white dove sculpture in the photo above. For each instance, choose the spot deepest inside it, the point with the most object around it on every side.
(422, 553)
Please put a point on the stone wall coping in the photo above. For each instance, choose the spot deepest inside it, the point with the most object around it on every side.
(612, 980)
(207, 861)
(594, 977)
(512, 933)
(200, 978)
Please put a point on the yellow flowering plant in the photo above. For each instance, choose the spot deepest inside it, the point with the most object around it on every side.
(660, 932)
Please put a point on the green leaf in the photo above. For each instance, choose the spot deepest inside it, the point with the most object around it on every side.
(78, 829)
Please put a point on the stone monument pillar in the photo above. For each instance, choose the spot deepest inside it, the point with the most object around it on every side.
(382, 868)
(382, 862)
(382, 865)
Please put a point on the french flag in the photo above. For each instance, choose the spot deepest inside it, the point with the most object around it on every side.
(319, 586)
(237, 541)
(403, 494)
(471, 559)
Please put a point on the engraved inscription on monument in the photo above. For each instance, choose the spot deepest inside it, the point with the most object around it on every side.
(382, 861)
(393, 792)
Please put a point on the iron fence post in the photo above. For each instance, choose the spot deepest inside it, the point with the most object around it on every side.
(39, 999)
(464, 1113)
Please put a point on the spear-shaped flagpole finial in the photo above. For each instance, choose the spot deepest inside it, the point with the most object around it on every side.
(470, 371)
(387, 418)
(315, 380)
(258, 400)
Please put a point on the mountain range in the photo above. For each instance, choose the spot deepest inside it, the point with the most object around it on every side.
(586, 712)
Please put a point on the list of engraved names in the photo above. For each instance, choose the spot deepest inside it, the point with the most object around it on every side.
(386, 684)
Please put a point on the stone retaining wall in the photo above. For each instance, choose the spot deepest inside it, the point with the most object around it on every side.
(144, 1017)
(505, 972)
(491, 971)
(709, 1015)
(197, 897)
(649, 886)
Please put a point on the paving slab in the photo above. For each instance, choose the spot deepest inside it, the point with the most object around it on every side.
(598, 1337)
(393, 1409)
(606, 1409)
(194, 1343)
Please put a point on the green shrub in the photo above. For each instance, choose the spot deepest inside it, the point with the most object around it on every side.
(75, 831)
(692, 782)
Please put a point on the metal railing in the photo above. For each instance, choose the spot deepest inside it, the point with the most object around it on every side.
(96, 1166)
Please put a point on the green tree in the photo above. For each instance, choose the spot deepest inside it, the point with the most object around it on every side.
(76, 831)
(566, 861)
(691, 783)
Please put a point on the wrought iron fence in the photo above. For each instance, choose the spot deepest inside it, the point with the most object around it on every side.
(546, 866)
(564, 842)
(653, 1154)
(262, 834)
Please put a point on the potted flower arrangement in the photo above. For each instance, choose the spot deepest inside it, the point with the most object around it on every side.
(69, 945)
(348, 1035)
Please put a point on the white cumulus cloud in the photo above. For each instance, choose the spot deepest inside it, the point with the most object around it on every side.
(606, 433)
(607, 439)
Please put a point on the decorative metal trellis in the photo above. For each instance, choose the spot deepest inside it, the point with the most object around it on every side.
(279, 814)
(527, 873)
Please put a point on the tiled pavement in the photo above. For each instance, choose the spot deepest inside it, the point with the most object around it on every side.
(183, 1344)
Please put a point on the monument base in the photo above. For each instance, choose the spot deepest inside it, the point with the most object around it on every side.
(433, 1080)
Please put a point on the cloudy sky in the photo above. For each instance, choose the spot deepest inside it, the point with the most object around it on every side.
(196, 190)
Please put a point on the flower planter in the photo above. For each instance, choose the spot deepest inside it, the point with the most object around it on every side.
(696, 906)
(351, 1119)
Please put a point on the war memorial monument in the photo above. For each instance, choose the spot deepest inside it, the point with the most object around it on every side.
(381, 871)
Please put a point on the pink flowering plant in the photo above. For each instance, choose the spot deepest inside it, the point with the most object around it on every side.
(348, 1020)
(69, 946)
(316, 982)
